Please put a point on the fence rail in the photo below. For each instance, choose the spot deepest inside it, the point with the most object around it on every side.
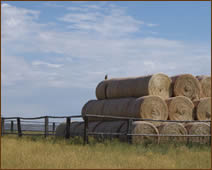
(129, 127)
(21, 121)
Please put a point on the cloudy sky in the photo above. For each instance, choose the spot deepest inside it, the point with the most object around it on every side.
(55, 53)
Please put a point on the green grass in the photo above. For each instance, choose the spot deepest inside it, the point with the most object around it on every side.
(37, 152)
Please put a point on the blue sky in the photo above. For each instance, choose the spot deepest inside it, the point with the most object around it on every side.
(55, 53)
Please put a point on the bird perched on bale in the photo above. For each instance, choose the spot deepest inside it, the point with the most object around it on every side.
(106, 77)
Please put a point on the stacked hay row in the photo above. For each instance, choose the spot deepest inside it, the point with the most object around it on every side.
(141, 127)
(156, 84)
(157, 97)
(147, 107)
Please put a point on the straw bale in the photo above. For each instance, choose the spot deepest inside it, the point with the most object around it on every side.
(101, 90)
(75, 128)
(172, 128)
(202, 109)
(61, 130)
(89, 108)
(147, 107)
(205, 82)
(198, 128)
(123, 129)
(156, 84)
(109, 127)
(143, 127)
(186, 85)
(180, 108)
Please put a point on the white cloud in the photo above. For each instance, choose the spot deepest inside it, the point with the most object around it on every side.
(53, 4)
(38, 63)
(37, 58)
(76, 9)
(101, 44)
(92, 6)
(14, 69)
(108, 22)
(150, 64)
(18, 22)
(152, 25)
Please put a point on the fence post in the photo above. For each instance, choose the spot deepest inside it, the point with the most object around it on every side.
(53, 127)
(19, 127)
(46, 126)
(129, 131)
(2, 126)
(68, 120)
(210, 134)
(11, 127)
(85, 141)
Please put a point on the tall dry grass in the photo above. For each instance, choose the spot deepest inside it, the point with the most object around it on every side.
(50, 153)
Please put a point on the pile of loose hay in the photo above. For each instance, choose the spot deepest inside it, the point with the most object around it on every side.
(156, 84)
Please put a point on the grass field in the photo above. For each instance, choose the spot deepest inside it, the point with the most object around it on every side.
(36, 152)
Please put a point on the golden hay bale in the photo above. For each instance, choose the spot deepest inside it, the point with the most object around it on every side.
(186, 85)
(205, 82)
(180, 108)
(156, 84)
(147, 107)
(202, 109)
(61, 130)
(198, 128)
(172, 128)
(143, 127)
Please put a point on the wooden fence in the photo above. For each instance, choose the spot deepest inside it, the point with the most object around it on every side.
(129, 126)
(20, 121)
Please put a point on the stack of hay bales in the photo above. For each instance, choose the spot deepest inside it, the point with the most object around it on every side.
(157, 97)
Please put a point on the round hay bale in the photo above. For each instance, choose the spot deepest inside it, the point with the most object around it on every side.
(156, 84)
(123, 129)
(61, 130)
(147, 107)
(180, 108)
(202, 109)
(77, 128)
(142, 127)
(101, 90)
(108, 127)
(205, 82)
(89, 109)
(186, 85)
(198, 128)
(73, 127)
(172, 128)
